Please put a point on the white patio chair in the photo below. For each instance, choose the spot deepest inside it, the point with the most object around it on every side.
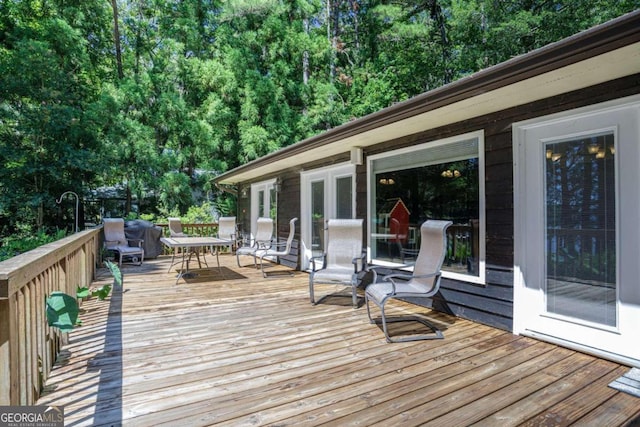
(115, 240)
(261, 241)
(175, 230)
(175, 227)
(278, 249)
(227, 229)
(343, 259)
(423, 283)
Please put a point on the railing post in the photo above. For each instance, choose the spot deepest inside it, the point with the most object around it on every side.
(5, 353)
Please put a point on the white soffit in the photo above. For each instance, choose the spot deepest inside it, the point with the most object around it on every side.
(609, 66)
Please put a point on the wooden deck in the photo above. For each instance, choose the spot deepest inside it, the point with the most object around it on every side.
(232, 348)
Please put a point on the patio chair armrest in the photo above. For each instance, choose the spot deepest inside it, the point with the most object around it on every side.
(362, 259)
(374, 269)
(262, 245)
(397, 276)
(278, 245)
(313, 261)
(137, 242)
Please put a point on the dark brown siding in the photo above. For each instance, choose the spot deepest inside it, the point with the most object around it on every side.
(288, 208)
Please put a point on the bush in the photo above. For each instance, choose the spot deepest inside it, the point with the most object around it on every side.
(21, 243)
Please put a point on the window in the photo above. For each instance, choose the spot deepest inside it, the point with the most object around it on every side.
(438, 180)
(344, 197)
(263, 202)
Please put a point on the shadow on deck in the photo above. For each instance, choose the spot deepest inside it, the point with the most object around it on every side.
(232, 348)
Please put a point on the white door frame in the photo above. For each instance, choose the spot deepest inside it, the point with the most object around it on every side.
(256, 188)
(328, 175)
(622, 118)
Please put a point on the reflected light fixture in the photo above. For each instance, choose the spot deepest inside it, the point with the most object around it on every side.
(451, 173)
(387, 181)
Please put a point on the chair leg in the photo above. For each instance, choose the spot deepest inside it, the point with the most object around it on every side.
(366, 301)
(255, 263)
(437, 333)
(311, 296)
(264, 273)
(354, 294)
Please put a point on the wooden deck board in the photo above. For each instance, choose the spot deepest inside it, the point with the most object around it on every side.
(233, 348)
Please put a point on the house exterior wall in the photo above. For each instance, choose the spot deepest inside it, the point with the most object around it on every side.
(491, 303)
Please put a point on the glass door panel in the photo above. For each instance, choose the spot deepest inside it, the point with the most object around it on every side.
(344, 197)
(581, 229)
(317, 217)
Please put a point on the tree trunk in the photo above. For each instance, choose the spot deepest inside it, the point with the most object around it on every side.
(305, 55)
(438, 17)
(116, 37)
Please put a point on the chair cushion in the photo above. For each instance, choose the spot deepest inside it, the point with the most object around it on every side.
(127, 249)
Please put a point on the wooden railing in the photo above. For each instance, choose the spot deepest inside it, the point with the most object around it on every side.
(28, 346)
(207, 229)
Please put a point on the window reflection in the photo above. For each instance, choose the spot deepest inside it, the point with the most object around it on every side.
(405, 198)
(581, 228)
(317, 217)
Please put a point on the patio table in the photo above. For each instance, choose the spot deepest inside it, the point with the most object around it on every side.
(193, 242)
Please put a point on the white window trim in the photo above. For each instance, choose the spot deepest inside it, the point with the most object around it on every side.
(265, 186)
(479, 135)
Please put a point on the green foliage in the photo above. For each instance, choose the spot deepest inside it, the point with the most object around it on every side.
(226, 205)
(199, 214)
(82, 292)
(115, 272)
(176, 192)
(207, 85)
(25, 241)
(62, 311)
(102, 292)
